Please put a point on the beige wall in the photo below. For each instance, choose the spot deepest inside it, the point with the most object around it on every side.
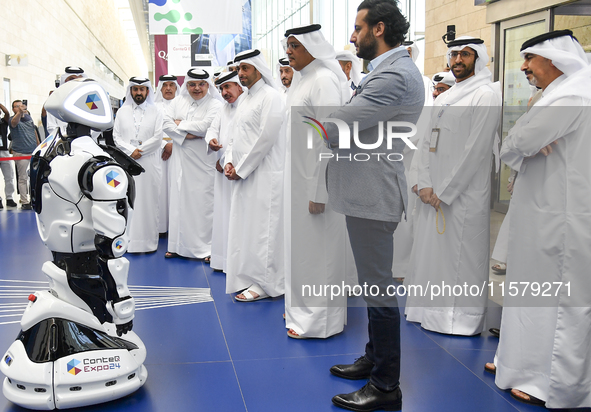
(58, 33)
(469, 20)
(580, 25)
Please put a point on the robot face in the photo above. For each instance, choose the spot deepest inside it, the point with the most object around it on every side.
(81, 101)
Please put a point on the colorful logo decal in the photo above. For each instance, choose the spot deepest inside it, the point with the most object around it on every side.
(119, 244)
(91, 99)
(322, 134)
(111, 176)
(72, 367)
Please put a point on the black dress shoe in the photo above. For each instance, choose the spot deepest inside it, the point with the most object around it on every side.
(370, 398)
(26, 206)
(496, 332)
(361, 369)
(10, 203)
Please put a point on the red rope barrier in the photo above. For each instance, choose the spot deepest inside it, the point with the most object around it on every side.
(15, 158)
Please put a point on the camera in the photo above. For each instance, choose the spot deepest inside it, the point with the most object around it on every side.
(25, 102)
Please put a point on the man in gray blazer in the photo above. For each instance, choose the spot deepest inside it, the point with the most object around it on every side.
(372, 193)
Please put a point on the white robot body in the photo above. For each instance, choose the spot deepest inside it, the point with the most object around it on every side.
(76, 347)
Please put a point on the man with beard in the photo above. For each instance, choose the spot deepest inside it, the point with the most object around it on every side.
(285, 73)
(166, 92)
(192, 169)
(254, 163)
(454, 182)
(138, 133)
(217, 138)
(372, 194)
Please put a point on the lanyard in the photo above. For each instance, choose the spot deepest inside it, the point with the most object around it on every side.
(135, 123)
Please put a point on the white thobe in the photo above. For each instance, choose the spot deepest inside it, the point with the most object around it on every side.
(221, 187)
(255, 234)
(316, 245)
(459, 173)
(192, 171)
(140, 127)
(164, 199)
(404, 233)
(545, 351)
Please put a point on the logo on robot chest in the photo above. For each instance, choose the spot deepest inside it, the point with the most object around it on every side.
(93, 365)
(90, 101)
(112, 179)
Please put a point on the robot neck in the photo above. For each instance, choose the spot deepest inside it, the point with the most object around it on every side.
(75, 130)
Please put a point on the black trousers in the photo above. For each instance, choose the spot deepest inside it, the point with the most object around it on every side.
(372, 244)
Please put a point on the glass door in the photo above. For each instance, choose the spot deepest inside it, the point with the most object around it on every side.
(516, 89)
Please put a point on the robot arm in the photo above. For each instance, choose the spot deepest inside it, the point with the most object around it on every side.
(112, 192)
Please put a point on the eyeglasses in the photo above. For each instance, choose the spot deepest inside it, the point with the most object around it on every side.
(292, 46)
(462, 54)
(192, 85)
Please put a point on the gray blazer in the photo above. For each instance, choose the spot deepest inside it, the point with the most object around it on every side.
(375, 188)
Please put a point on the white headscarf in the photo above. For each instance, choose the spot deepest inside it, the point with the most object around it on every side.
(414, 55)
(321, 50)
(229, 77)
(445, 78)
(565, 52)
(166, 78)
(198, 74)
(568, 56)
(356, 69)
(296, 75)
(70, 70)
(139, 81)
(256, 59)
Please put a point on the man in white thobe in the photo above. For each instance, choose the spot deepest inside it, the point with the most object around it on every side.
(315, 235)
(138, 133)
(70, 73)
(454, 178)
(351, 67)
(442, 81)
(544, 352)
(285, 74)
(254, 162)
(404, 234)
(165, 93)
(192, 169)
(413, 50)
(218, 138)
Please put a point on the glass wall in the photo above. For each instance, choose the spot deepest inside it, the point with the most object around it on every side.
(271, 18)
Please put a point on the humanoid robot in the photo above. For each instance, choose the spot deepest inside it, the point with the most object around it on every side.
(76, 347)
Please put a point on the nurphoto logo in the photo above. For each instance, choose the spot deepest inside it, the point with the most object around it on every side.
(345, 139)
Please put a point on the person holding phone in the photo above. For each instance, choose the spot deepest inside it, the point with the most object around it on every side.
(24, 141)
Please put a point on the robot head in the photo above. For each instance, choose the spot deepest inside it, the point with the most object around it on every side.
(81, 101)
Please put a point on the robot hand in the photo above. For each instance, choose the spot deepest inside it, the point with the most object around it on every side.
(123, 329)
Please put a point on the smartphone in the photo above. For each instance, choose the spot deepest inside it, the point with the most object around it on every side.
(25, 102)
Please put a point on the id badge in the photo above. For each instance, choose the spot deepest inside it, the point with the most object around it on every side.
(434, 140)
(135, 142)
